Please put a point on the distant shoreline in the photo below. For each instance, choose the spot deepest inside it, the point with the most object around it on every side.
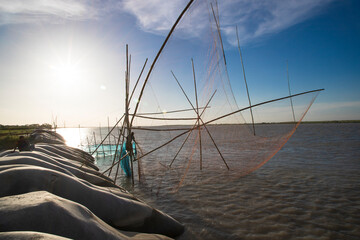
(334, 121)
(15, 129)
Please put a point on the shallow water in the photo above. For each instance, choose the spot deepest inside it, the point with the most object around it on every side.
(309, 190)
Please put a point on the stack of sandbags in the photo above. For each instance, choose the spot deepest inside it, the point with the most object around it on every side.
(55, 190)
(45, 136)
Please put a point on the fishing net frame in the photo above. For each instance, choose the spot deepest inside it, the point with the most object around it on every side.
(169, 145)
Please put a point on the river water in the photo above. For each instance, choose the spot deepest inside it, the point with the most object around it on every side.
(309, 190)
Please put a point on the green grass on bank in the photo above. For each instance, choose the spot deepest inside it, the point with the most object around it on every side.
(9, 134)
(8, 142)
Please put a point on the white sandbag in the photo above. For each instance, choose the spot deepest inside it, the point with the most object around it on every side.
(57, 216)
(122, 213)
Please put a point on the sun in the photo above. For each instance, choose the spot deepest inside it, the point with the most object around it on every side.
(67, 73)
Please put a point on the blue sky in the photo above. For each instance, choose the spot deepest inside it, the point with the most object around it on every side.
(65, 58)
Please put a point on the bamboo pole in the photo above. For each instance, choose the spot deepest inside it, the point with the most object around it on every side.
(137, 81)
(84, 162)
(158, 55)
(212, 139)
(114, 164)
(197, 112)
(109, 136)
(165, 119)
(128, 76)
(160, 130)
(167, 112)
(182, 145)
(88, 145)
(95, 141)
(139, 170)
(138, 146)
(247, 90)
(139, 163)
(191, 131)
(219, 33)
(117, 146)
(164, 144)
(292, 107)
(80, 136)
(114, 134)
(128, 125)
(122, 133)
(102, 145)
(227, 115)
(262, 103)
(217, 21)
(55, 123)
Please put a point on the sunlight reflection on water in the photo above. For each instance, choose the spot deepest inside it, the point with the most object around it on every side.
(75, 137)
(308, 191)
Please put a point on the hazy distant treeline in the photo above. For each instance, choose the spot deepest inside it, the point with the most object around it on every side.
(27, 126)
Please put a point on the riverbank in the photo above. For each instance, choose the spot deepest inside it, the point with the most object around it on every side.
(58, 190)
(9, 134)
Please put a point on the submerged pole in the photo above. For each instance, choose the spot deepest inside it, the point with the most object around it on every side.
(87, 138)
(102, 145)
(224, 116)
(122, 135)
(292, 107)
(128, 126)
(203, 124)
(197, 113)
(109, 136)
(117, 122)
(191, 130)
(80, 136)
(117, 147)
(95, 140)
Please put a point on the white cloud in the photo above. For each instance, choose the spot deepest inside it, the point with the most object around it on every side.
(158, 16)
(260, 18)
(31, 11)
(255, 18)
(154, 15)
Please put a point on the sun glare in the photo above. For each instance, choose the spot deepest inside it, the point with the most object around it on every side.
(66, 73)
(71, 136)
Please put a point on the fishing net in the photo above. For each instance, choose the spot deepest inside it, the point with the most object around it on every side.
(191, 125)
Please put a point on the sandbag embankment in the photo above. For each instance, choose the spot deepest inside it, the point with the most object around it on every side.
(26, 235)
(120, 212)
(64, 172)
(55, 215)
(45, 136)
(68, 153)
(42, 160)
